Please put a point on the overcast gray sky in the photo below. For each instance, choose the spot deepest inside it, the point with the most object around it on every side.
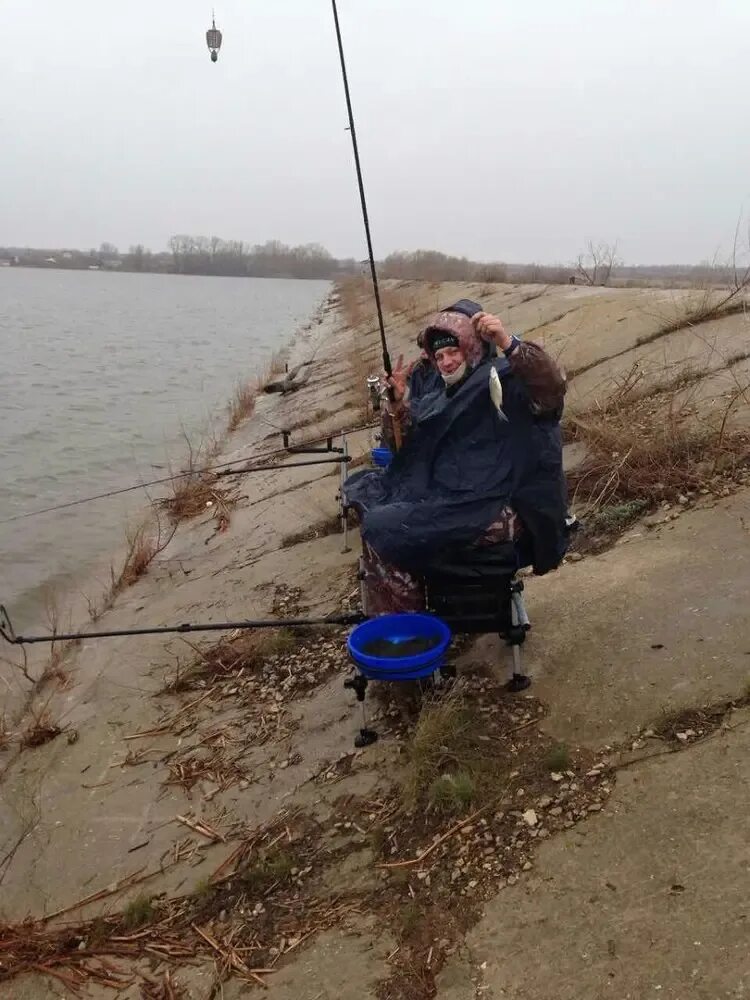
(499, 129)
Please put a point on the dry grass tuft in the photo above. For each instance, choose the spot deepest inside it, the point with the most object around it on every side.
(240, 653)
(353, 302)
(59, 650)
(278, 364)
(708, 306)
(141, 551)
(557, 758)
(681, 725)
(138, 912)
(356, 303)
(446, 758)
(144, 544)
(452, 793)
(646, 457)
(41, 729)
(642, 451)
(271, 867)
(242, 404)
(199, 493)
(195, 489)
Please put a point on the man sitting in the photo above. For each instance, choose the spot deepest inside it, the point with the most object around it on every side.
(480, 460)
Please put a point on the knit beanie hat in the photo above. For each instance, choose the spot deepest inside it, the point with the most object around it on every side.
(437, 339)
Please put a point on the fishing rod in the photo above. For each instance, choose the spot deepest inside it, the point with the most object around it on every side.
(335, 618)
(287, 448)
(365, 217)
(180, 475)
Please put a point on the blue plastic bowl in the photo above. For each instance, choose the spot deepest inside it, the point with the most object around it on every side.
(399, 628)
(382, 457)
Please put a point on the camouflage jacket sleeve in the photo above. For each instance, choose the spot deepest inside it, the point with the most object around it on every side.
(544, 379)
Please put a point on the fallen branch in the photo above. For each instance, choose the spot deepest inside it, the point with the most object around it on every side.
(203, 829)
(125, 883)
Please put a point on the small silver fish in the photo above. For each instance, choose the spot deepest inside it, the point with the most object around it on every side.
(496, 393)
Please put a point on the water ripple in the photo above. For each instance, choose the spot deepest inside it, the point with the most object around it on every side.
(100, 373)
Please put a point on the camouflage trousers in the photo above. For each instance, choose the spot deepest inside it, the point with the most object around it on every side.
(386, 589)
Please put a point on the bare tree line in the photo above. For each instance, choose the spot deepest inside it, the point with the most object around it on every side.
(600, 264)
(212, 255)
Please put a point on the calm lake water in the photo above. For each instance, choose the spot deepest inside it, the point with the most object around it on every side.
(100, 373)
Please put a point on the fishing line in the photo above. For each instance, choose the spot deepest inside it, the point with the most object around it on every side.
(182, 475)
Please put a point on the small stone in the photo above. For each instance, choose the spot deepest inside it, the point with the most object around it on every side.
(594, 807)
(682, 737)
(529, 817)
(527, 866)
(575, 557)
(556, 811)
(556, 776)
(545, 801)
(512, 879)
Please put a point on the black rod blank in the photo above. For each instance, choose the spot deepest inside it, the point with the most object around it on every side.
(343, 618)
(363, 202)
